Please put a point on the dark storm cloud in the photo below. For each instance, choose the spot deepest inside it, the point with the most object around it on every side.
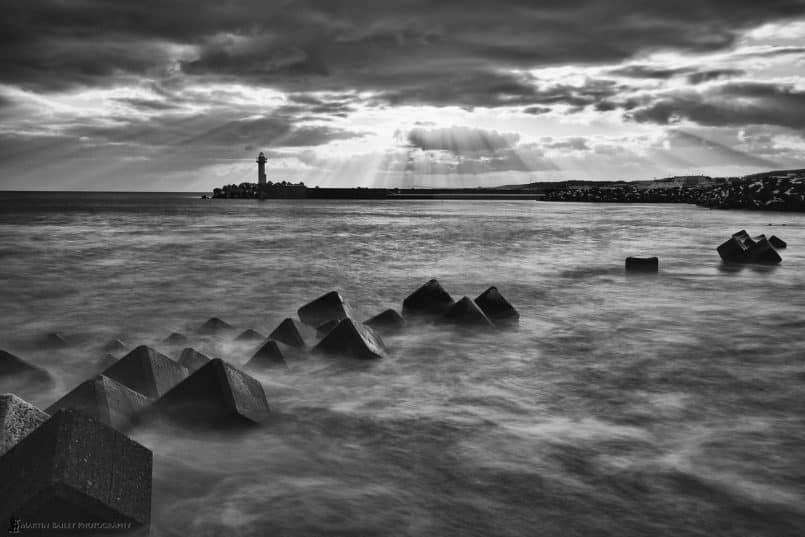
(320, 107)
(647, 71)
(731, 104)
(536, 110)
(692, 75)
(776, 51)
(146, 104)
(407, 51)
(700, 77)
(492, 89)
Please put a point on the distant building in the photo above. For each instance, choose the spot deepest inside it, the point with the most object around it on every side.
(261, 169)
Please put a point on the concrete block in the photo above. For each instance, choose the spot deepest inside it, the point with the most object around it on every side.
(351, 339)
(146, 371)
(327, 307)
(17, 419)
(217, 395)
(106, 400)
(75, 470)
(430, 300)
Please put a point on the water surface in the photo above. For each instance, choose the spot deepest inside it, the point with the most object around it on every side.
(624, 406)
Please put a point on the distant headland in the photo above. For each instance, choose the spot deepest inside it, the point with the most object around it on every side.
(782, 190)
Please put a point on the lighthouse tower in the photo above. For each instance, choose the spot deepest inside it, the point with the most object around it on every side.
(261, 169)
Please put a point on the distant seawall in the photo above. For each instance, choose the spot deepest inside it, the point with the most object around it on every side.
(297, 191)
(771, 191)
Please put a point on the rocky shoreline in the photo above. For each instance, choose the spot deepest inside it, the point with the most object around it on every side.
(775, 191)
(771, 191)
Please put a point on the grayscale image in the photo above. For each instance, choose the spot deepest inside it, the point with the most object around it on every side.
(402, 268)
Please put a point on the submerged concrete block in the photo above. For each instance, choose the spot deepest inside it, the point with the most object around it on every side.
(466, 313)
(176, 339)
(741, 248)
(268, 356)
(352, 339)
(733, 250)
(74, 469)
(216, 395)
(744, 238)
(106, 400)
(756, 239)
(777, 242)
(17, 419)
(16, 368)
(327, 307)
(146, 371)
(215, 326)
(642, 264)
(51, 341)
(325, 328)
(291, 332)
(105, 362)
(496, 307)
(115, 346)
(387, 321)
(430, 300)
(192, 360)
(250, 336)
(763, 252)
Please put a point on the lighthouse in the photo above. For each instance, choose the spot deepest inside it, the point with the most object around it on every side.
(261, 169)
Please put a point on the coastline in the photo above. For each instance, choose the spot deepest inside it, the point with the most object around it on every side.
(770, 191)
(279, 191)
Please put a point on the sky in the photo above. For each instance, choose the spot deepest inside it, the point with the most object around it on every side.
(179, 95)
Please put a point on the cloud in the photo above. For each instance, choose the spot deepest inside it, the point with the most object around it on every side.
(536, 110)
(709, 75)
(569, 144)
(166, 82)
(461, 140)
(648, 71)
(148, 104)
(470, 151)
(407, 51)
(773, 51)
(732, 104)
(692, 144)
(691, 74)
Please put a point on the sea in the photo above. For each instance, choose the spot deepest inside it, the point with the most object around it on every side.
(621, 405)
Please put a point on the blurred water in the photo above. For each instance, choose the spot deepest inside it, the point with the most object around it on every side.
(624, 406)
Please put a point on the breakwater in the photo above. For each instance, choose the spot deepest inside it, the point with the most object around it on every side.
(771, 191)
(300, 191)
(628, 194)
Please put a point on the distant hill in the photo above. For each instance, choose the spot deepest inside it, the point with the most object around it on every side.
(791, 174)
(689, 180)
